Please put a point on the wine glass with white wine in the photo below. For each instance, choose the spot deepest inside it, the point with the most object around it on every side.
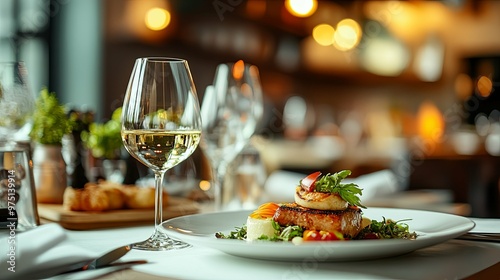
(161, 127)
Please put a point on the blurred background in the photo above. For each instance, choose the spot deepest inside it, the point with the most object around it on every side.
(409, 86)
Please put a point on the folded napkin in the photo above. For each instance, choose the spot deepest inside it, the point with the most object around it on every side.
(39, 249)
(280, 185)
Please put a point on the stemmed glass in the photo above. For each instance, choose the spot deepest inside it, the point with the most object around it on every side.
(17, 103)
(231, 110)
(161, 127)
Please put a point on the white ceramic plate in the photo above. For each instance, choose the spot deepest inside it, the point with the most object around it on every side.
(432, 228)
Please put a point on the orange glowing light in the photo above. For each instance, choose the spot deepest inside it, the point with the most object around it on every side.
(301, 8)
(323, 34)
(204, 185)
(484, 86)
(238, 69)
(157, 19)
(430, 122)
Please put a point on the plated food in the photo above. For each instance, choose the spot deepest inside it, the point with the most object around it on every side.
(325, 209)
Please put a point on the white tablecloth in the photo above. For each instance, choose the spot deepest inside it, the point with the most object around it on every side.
(454, 259)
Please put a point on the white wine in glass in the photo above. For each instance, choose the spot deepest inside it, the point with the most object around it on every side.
(161, 127)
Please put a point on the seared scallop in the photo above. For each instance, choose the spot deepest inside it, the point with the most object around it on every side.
(319, 200)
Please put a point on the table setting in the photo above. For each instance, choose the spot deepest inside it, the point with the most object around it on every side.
(55, 247)
(162, 124)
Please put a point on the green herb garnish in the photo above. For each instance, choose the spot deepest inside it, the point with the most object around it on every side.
(281, 233)
(331, 183)
(239, 233)
(387, 229)
(286, 233)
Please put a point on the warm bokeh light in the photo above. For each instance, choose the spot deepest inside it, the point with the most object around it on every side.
(385, 57)
(430, 122)
(463, 86)
(328, 59)
(323, 34)
(348, 35)
(204, 185)
(238, 69)
(301, 8)
(484, 86)
(429, 60)
(157, 19)
(410, 21)
(143, 20)
(352, 24)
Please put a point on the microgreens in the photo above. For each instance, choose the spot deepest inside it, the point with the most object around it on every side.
(388, 229)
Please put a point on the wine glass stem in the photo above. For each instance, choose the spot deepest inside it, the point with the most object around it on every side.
(158, 198)
(218, 175)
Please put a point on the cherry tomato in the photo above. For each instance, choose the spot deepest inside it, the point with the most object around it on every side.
(311, 235)
(371, 235)
(314, 235)
(308, 183)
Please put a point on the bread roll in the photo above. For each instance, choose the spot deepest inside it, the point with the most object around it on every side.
(114, 192)
(141, 197)
(110, 196)
(94, 198)
(72, 199)
(116, 197)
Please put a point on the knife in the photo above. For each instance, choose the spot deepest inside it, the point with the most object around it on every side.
(94, 273)
(106, 259)
(97, 263)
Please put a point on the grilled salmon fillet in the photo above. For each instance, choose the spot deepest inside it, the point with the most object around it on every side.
(347, 222)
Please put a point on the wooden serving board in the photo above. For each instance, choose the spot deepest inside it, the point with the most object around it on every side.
(82, 220)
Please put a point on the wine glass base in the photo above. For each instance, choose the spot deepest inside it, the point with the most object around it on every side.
(160, 242)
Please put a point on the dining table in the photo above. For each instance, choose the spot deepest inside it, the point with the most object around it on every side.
(451, 259)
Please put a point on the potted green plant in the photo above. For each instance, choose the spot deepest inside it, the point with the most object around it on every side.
(105, 144)
(104, 139)
(50, 124)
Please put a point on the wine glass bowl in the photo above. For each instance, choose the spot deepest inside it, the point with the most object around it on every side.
(17, 103)
(231, 110)
(161, 127)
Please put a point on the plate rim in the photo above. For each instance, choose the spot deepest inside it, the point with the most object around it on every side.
(250, 249)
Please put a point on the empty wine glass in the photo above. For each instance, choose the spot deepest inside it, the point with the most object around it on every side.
(161, 127)
(231, 110)
(17, 103)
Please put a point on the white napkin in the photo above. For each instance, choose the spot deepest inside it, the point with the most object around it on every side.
(45, 247)
(486, 225)
(280, 185)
